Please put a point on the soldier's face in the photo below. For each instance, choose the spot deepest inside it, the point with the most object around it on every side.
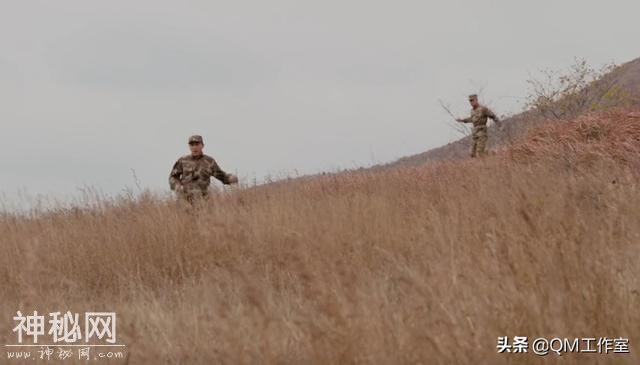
(196, 148)
(473, 102)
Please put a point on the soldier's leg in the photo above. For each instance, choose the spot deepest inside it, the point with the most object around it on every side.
(482, 144)
(474, 144)
(194, 198)
(183, 203)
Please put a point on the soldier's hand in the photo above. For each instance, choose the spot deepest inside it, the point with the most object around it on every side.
(233, 179)
(459, 120)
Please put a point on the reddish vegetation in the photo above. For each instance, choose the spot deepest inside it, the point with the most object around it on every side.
(613, 134)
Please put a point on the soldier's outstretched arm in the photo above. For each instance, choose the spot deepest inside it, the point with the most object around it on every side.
(464, 120)
(219, 174)
(174, 176)
(492, 115)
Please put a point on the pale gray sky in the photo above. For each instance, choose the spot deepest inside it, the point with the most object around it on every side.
(93, 89)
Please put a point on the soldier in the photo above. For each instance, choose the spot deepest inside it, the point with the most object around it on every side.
(479, 116)
(191, 174)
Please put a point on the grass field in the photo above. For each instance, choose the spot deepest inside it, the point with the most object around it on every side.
(411, 265)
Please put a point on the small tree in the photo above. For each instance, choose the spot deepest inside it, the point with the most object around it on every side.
(565, 94)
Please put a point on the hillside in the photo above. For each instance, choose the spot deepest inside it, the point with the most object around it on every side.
(626, 76)
(410, 265)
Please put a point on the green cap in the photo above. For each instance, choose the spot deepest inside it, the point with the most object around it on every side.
(195, 139)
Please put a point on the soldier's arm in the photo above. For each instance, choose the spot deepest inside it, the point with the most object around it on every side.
(219, 174)
(174, 176)
(492, 115)
(464, 120)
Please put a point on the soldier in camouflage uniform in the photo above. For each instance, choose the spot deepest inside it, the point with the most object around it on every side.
(479, 116)
(191, 174)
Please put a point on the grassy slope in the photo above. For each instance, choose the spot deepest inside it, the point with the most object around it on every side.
(410, 265)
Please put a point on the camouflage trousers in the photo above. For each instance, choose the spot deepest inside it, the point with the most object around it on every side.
(479, 141)
(194, 196)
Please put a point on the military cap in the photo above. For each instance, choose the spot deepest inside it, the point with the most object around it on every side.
(473, 96)
(195, 139)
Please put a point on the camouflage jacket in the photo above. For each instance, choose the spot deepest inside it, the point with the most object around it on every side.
(194, 173)
(480, 115)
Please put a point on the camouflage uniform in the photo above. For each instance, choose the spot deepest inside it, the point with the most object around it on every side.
(191, 176)
(479, 117)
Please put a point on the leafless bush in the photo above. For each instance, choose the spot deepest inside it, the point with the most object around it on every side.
(564, 94)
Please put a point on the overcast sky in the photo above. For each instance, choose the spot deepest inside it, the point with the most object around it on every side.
(90, 90)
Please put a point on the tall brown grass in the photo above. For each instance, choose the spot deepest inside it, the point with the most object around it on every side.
(414, 265)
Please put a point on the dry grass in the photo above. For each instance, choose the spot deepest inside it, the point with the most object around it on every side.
(427, 265)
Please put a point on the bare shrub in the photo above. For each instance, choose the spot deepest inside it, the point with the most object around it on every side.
(564, 94)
